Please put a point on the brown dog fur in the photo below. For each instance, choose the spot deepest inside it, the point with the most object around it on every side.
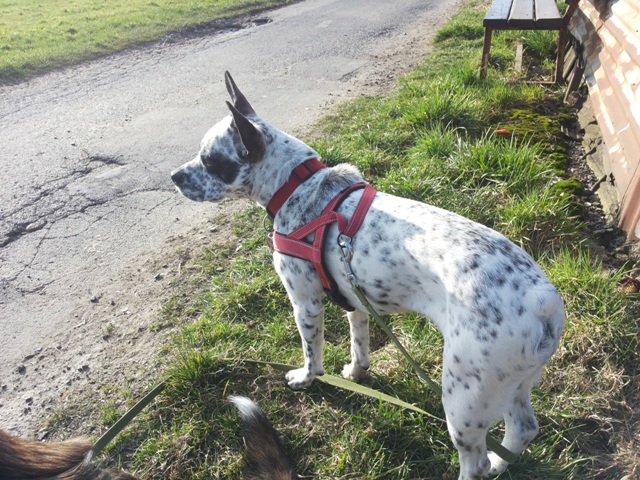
(30, 460)
(26, 459)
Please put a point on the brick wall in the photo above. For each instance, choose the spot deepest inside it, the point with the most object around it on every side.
(609, 32)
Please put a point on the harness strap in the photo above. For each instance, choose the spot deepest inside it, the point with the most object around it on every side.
(296, 245)
(299, 174)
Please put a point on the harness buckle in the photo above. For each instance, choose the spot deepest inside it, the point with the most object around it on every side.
(344, 242)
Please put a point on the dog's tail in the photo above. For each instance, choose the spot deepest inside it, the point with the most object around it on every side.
(266, 458)
(25, 459)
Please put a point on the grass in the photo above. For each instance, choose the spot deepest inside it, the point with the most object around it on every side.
(435, 139)
(38, 35)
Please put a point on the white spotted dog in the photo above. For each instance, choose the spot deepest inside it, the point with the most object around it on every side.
(500, 317)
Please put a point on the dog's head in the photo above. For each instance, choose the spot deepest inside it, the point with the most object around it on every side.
(227, 153)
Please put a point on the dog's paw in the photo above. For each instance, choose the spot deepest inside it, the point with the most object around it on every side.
(354, 372)
(498, 465)
(299, 378)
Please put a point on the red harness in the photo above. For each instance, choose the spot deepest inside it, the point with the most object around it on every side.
(295, 243)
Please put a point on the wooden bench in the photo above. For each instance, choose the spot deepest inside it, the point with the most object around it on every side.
(527, 15)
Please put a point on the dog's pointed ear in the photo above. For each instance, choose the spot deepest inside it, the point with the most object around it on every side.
(239, 100)
(252, 138)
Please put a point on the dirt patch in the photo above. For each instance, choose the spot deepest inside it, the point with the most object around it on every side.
(113, 344)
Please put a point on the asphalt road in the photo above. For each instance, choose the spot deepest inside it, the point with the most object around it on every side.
(86, 152)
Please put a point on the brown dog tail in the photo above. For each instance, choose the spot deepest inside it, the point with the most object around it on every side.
(25, 459)
(266, 458)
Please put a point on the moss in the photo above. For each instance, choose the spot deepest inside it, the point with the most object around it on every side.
(570, 188)
(541, 126)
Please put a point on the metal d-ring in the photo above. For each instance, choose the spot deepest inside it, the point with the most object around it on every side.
(267, 229)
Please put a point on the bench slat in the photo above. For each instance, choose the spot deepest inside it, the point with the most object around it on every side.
(521, 13)
(547, 14)
(498, 14)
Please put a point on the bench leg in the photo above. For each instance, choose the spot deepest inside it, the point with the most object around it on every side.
(562, 42)
(486, 48)
(562, 39)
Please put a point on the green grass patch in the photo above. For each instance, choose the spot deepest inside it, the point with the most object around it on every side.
(436, 139)
(39, 35)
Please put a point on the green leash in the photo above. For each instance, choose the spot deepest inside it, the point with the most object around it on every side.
(123, 421)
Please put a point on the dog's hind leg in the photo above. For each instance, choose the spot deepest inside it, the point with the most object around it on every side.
(359, 327)
(521, 425)
(469, 437)
(472, 405)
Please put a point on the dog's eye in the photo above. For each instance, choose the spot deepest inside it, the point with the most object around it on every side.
(221, 167)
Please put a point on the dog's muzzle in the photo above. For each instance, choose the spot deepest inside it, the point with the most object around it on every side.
(178, 177)
(185, 185)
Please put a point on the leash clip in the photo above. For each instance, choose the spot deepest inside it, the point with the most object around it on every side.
(344, 242)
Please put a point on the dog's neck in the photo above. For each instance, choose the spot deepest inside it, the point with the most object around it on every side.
(297, 177)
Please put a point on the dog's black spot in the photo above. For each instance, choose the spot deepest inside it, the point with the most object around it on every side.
(221, 167)
(456, 359)
(475, 374)
(485, 352)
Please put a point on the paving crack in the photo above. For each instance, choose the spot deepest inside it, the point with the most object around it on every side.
(43, 207)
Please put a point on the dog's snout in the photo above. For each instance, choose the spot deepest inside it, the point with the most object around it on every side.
(178, 176)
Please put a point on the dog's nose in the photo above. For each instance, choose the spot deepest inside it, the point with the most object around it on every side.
(177, 176)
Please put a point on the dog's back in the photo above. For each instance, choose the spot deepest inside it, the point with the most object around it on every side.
(266, 458)
(25, 459)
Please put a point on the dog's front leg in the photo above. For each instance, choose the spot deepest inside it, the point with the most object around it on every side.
(310, 324)
(359, 327)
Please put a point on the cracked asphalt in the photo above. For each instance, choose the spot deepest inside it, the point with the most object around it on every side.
(86, 152)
